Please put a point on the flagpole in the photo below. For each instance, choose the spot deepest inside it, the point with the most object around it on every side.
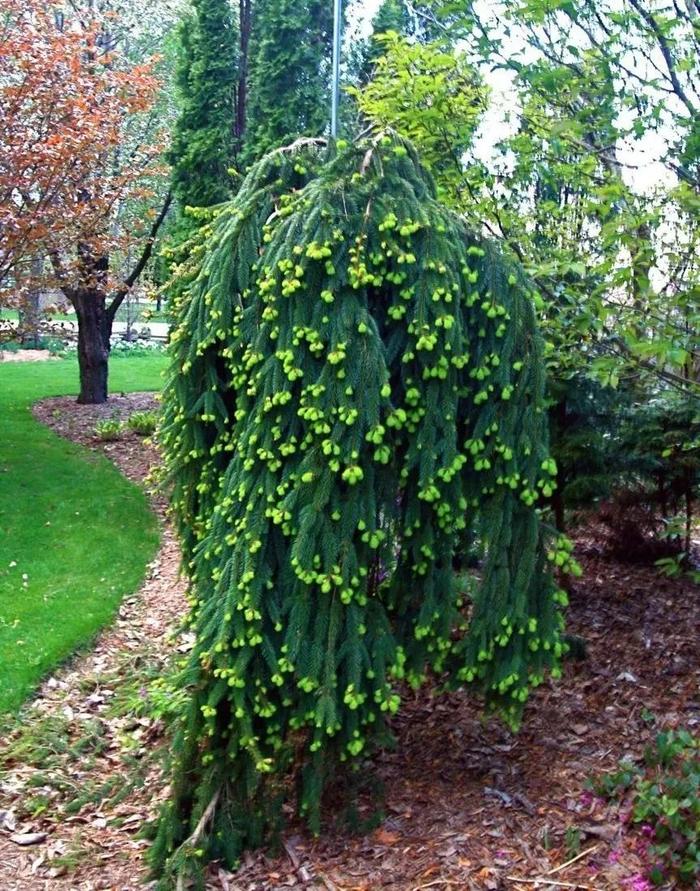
(335, 88)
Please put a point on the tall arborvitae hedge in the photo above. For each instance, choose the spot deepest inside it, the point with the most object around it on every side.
(392, 15)
(202, 148)
(289, 79)
(355, 399)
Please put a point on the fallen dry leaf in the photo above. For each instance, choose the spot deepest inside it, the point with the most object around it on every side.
(384, 837)
(28, 838)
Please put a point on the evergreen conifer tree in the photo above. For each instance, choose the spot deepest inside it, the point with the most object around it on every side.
(355, 398)
(289, 73)
(202, 148)
(392, 15)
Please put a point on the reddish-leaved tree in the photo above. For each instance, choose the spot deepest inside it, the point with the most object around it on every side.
(69, 164)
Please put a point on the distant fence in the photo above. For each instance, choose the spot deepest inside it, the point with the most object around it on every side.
(67, 331)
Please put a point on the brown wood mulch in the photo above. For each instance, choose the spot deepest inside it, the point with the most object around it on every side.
(26, 355)
(466, 804)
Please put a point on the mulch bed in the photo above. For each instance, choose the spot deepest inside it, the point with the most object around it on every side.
(466, 805)
(26, 355)
(133, 455)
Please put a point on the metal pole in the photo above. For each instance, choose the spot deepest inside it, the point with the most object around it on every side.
(335, 88)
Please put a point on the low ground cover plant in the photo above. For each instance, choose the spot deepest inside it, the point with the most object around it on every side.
(663, 797)
(143, 422)
(108, 430)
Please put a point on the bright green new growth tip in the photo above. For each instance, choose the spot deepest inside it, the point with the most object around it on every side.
(355, 400)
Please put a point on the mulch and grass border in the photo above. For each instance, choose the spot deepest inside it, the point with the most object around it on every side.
(460, 803)
(75, 535)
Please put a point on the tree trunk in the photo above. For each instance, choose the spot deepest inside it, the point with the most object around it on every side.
(94, 331)
(688, 513)
(95, 317)
(558, 506)
(29, 320)
(30, 314)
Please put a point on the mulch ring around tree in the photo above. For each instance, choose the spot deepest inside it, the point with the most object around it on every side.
(460, 803)
(134, 455)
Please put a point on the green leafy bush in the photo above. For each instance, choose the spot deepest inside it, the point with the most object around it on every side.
(133, 348)
(54, 345)
(664, 796)
(108, 430)
(143, 422)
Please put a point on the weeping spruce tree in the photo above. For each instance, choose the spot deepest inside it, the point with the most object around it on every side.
(355, 399)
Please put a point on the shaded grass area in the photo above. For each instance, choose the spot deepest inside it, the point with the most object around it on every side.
(75, 535)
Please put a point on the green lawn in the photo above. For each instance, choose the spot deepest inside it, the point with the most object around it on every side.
(11, 315)
(75, 536)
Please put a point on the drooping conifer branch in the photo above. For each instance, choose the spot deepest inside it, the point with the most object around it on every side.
(355, 399)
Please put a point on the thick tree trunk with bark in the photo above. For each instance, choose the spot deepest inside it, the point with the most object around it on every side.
(96, 310)
(94, 331)
(30, 320)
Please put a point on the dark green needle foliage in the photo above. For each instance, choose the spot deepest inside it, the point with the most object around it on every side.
(355, 399)
(392, 15)
(202, 149)
(289, 73)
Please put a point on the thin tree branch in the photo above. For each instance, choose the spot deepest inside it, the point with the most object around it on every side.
(675, 380)
(116, 299)
(665, 48)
